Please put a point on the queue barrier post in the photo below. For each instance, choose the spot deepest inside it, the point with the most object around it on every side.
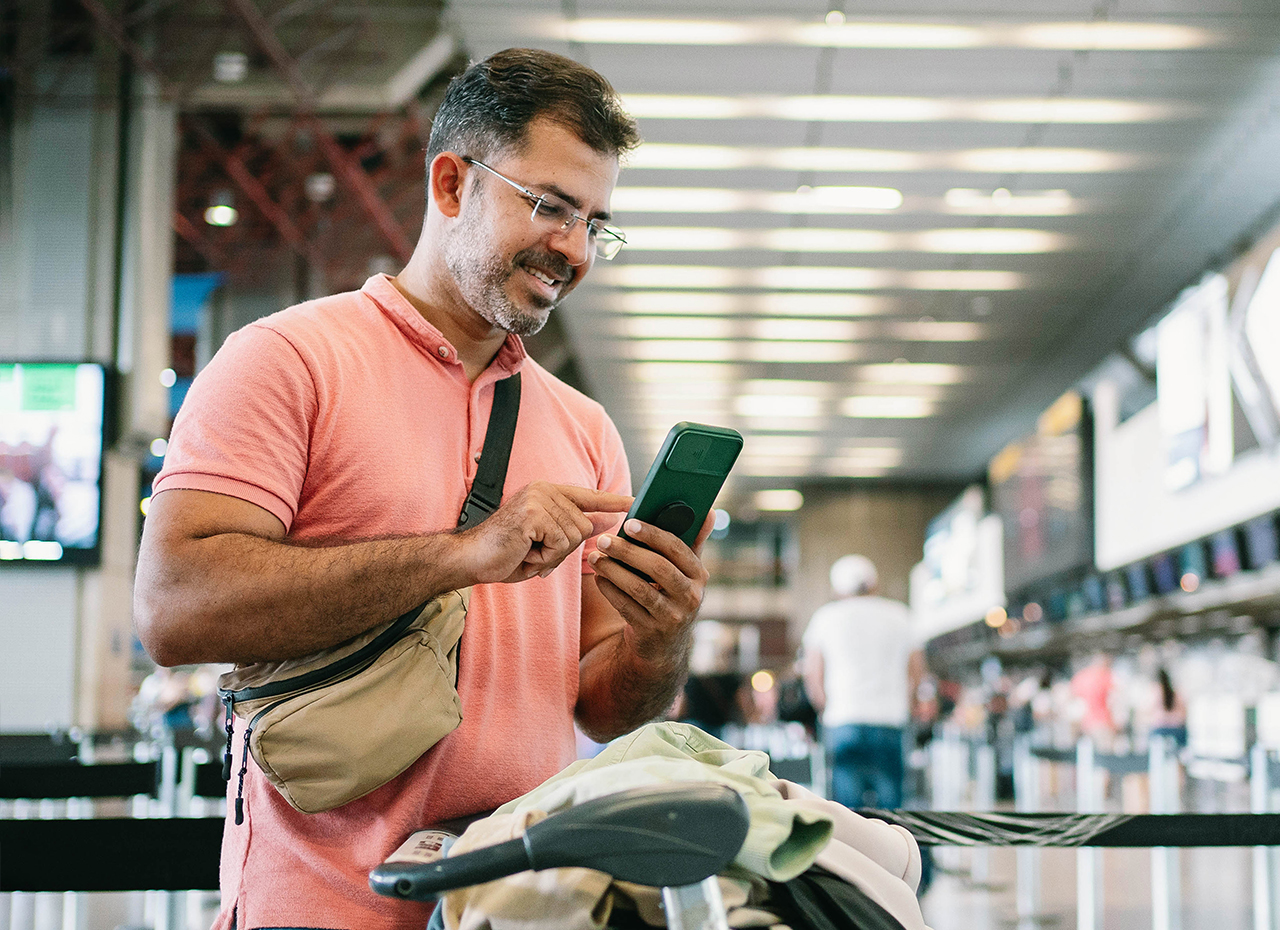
(1166, 861)
(984, 789)
(1088, 859)
(1026, 799)
(1265, 910)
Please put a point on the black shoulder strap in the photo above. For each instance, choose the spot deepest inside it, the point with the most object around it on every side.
(491, 473)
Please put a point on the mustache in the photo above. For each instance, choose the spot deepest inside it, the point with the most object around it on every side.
(554, 264)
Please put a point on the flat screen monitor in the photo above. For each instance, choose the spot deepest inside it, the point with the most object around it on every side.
(1042, 488)
(1225, 551)
(1260, 542)
(52, 425)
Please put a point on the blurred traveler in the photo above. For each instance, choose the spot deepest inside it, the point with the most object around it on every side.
(857, 650)
(1168, 716)
(1092, 686)
(315, 474)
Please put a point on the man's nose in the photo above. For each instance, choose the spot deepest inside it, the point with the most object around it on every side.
(574, 243)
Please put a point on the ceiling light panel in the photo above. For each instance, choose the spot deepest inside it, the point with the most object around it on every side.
(689, 373)
(778, 405)
(736, 351)
(869, 34)
(858, 109)
(821, 278)
(781, 445)
(759, 304)
(983, 241)
(913, 373)
(822, 200)
(882, 406)
(668, 156)
(1002, 202)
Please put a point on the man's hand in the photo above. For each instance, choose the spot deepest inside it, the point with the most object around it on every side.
(658, 612)
(636, 634)
(536, 529)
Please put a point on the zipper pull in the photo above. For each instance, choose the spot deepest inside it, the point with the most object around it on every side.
(227, 699)
(244, 767)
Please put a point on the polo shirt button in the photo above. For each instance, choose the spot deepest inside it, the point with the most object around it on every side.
(444, 351)
(477, 456)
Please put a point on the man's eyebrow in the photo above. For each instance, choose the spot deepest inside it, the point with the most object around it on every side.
(574, 202)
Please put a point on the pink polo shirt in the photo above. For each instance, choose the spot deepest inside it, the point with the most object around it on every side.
(350, 417)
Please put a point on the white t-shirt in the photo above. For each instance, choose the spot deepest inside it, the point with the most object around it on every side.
(865, 644)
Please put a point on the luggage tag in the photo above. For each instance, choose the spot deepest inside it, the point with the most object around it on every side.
(425, 846)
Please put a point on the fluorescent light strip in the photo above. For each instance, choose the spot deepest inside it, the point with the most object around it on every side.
(667, 373)
(833, 108)
(760, 304)
(702, 327)
(778, 405)
(735, 350)
(886, 407)
(659, 155)
(779, 446)
(1001, 202)
(913, 373)
(820, 200)
(859, 33)
(738, 350)
(822, 278)
(939, 241)
(874, 200)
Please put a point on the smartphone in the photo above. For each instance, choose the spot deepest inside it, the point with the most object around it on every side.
(685, 477)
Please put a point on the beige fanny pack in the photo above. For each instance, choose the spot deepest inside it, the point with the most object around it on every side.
(330, 727)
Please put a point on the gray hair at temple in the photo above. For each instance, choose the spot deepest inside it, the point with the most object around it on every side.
(488, 108)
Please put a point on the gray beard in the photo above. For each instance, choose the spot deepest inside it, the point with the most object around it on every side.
(482, 279)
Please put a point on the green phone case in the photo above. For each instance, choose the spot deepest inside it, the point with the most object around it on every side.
(685, 477)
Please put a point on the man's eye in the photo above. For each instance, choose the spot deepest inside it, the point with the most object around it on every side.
(553, 210)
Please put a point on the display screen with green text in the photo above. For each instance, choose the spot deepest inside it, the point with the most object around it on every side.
(51, 441)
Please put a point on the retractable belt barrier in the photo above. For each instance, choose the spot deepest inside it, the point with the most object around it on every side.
(182, 853)
(111, 854)
(941, 828)
(106, 780)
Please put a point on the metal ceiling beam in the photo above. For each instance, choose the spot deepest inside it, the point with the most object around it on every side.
(252, 188)
(344, 166)
(232, 164)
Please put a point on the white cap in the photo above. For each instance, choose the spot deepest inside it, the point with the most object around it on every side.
(853, 574)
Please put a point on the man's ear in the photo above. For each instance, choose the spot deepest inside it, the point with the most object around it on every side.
(444, 182)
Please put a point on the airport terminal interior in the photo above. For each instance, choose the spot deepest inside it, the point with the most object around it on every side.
(990, 292)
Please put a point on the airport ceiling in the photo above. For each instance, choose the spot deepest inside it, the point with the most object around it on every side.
(877, 238)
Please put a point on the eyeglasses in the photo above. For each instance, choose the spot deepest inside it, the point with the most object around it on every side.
(557, 215)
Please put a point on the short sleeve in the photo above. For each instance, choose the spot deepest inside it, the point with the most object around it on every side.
(244, 428)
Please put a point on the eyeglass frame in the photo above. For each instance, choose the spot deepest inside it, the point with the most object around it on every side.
(606, 247)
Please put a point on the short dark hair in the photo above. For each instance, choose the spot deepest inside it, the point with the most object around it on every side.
(488, 108)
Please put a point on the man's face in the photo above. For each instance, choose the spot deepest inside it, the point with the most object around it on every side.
(509, 269)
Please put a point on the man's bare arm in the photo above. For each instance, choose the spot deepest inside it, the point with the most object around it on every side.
(636, 636)
(814, 672)
(218, 581)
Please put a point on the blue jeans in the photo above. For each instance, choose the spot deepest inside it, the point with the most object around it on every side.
(866, 765)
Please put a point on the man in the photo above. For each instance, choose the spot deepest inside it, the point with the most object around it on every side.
(318, 466)
(857, 651)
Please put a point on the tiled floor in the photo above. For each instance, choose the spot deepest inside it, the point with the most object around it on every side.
(1217, 891)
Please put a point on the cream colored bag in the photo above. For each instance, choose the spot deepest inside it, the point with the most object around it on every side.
(330, 727)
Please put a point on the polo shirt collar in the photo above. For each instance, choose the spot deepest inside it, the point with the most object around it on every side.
(387, 296)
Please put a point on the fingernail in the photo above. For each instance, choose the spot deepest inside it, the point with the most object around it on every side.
(604, 542)
(632, 527)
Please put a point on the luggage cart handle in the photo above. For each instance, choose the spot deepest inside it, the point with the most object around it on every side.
(667, 835)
